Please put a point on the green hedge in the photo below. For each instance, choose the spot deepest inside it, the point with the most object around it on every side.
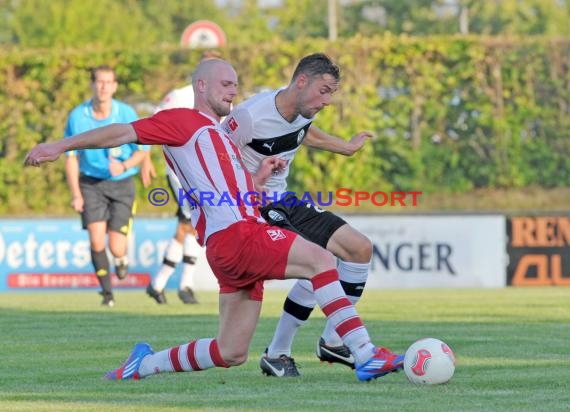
(450, 114)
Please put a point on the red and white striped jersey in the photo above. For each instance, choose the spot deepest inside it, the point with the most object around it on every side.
(208, 165)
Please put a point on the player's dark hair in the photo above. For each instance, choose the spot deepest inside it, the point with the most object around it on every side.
(101, 68)
(317, 64)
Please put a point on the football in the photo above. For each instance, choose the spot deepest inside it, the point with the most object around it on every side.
(429, 361)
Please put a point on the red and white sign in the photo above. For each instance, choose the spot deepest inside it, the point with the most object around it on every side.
(203, 34)
(72, 280)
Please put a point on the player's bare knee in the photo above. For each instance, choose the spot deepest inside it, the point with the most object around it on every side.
(349, 245)
(187, 228)
(235, 359)
(352, 247)
(180, 234)
(321, 259)
(117, 251)
(97, 244)
(361, 250)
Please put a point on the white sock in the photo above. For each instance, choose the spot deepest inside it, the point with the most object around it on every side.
(187, 278)
(172, 256)
(124, 260)
(197, 355)
(284, 335)
(192, 251)
(338, 309)
(353, 277)
(297, 308)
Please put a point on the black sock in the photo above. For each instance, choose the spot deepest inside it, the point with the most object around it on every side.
(353, 289)
(101, 265)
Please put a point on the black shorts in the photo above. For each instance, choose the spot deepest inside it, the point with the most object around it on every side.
(183, 217)
(311, 222)
(109, 201)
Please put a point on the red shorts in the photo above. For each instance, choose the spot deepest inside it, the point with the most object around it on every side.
(246, 253)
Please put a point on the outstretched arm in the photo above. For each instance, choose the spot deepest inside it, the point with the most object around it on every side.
(321, 140)
(107, 136)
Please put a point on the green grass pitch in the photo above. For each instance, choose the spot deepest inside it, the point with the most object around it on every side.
(512, 348)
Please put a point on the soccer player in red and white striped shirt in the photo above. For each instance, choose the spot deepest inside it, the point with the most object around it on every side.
(242, 249)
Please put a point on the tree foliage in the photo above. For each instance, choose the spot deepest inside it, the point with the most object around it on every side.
(76, 23)
(71, 23)
(450, 114)
(530, 17)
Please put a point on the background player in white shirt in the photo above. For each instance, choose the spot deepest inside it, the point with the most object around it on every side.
(276, 123)
(183, 247)
(243, 250)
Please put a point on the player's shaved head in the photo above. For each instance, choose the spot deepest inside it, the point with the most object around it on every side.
(215, 86)
(209, 69)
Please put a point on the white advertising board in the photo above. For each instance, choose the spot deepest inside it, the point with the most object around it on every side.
(460, 251)
(409, 252)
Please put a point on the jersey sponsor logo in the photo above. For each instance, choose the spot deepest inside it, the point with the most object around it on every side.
(276, 234)
(232, 124)
(300, 136)
(230, 157)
